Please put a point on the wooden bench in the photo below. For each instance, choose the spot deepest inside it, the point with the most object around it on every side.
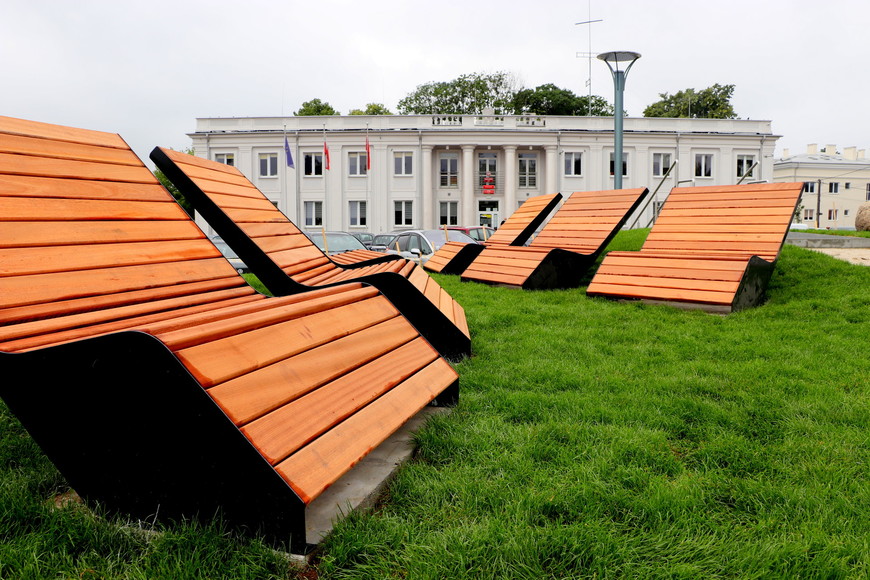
(160, 383)
(455, 257)
(287, 262)
(565, 249)
(712, 248)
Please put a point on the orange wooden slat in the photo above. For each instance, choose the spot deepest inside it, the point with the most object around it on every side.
(60, 133)
(47, 167)
(45, 209)
(35, 186)
(22, 145)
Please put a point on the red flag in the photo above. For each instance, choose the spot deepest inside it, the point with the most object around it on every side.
(326, 154)
(368, 155)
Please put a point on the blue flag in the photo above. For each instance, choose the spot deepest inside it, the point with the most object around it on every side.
(287, 151)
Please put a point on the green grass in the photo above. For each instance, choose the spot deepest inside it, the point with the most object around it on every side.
(851, 233)
(593, 439)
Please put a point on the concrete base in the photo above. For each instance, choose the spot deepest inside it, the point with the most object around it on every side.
(803, 240)
(360, 487)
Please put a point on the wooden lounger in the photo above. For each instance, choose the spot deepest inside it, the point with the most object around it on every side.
(712, 248)
(562, 253)
(157, 381)
(287, 262)
(454, 257)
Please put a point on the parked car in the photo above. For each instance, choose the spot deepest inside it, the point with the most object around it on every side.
(419, 245)
(364, 237)
(338, 242)
(380, 242)
(230, 255)
(478, 233)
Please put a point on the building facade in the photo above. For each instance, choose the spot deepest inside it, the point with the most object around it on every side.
(394, 172)
(835, 184)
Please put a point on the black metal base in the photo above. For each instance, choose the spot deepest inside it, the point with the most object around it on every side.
(462, 260)
(753, 285)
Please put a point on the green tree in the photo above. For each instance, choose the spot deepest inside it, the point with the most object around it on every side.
(710, 103)
(551, 100)
(372, 109)
(315, 107)
(468, 94)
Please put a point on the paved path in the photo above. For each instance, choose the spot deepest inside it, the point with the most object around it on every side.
(860, 256)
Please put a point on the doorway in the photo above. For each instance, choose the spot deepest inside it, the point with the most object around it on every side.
(487, 213)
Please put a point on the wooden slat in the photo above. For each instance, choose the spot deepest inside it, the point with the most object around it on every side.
(317, 465)
(62, 233)
(47, 167)
(45, 209)
(37, 147)
(35, 186)
(60, 133)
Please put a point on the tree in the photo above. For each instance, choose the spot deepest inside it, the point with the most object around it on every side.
(465, 95)
(315, 107)
(710, 103)
(182, 201)
(371, 109)
(551, 100)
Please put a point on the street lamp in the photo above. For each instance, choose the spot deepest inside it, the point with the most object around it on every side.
(613, 60)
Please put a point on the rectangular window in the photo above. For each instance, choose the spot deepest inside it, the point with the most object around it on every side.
(808, 214)
(358, 213)
(809, 186)
(268, 164)
(313, 164)
(704, 165)
(661, 163)
(449, 213)
(403, 213)
(528, 165)
(573, 163)
(847, 185)
(313, 213)
(403, 163)
(834, 187)
(225, 158)
(845, 213)
(624, 163)
(832, 215)
(744, 165)
(356, 163)
(449, 170)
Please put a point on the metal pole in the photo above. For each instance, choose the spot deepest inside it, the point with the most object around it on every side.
(619, 88)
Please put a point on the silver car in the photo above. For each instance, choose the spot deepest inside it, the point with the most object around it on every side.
(419, 245)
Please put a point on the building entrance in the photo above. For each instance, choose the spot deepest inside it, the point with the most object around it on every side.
(487, 213)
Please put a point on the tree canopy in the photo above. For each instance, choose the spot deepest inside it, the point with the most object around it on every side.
(372, 109)
(710, 103)
(466, 95)
(549, 99)
(315, 107)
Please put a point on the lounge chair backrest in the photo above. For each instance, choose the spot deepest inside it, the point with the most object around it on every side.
(520, 226)
(748, 220)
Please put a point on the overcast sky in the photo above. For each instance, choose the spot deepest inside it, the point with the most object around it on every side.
(148, 69)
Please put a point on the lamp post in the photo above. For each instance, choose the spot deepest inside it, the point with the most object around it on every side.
(613, 60)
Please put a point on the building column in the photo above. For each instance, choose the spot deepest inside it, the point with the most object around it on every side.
(426, 188)
(466, 179)
(510, 181)
(551, 181)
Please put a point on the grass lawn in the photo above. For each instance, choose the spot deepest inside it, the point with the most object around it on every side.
(593, 439)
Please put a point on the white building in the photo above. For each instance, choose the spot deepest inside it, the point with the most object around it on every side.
(469, 169)
(836, 184)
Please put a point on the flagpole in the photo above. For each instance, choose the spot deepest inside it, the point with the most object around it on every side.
(368, 175)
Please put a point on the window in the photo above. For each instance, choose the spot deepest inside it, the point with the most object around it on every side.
(845, 213)
(357, 213)
(808, 214)
(225, 158)
(573, 163)
(847, 185)
(528, 164)
(356, 163)
(704, 165)
(404, 213)
(449, 170)
(313, 213)
(313, 164)
(268, 164)
(809, 186)
(403, 163)
(449, 213)
(744, 165)
(832, 215)
(624, 163)
(661, 164)
(834, 187)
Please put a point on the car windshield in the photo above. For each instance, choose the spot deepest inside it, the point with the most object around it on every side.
(437, 237)
(338, 242)
(382, 239)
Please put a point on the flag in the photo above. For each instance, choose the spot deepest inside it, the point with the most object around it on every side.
(326, 154)
(287, 152)
(368, 154)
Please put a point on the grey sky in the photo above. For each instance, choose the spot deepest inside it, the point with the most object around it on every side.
(146, 70)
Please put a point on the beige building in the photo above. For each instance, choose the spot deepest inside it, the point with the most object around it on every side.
(394, 172)
(836, 183)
